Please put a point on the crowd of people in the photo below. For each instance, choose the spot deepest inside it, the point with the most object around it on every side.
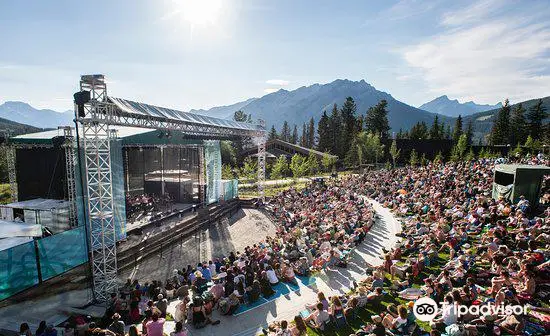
(458, 245)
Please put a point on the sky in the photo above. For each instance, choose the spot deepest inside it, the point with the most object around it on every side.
(189, 54)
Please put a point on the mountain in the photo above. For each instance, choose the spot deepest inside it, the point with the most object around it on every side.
(25, 114)
(299, 105)
(483, 121)
(11, 128)
(225, 112)
(452, 108)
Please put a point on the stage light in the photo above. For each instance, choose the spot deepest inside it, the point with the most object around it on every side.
(81, 98)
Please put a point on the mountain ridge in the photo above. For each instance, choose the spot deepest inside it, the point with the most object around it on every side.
(24, 113)
(453, 108)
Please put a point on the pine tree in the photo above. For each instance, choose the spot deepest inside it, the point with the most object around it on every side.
(435, 131)
(500, 134)
(294, 136)
(335, 132)
(470, 133)
(349, 122)
(311, 134)
(328, 162)
(518, 125)
(285, 132)
(394, 152)
(376, 120)
(280, 168)
(323, 134)
(536, 115)
(419, 131)
(360, 122)
(272, 133)
(414, 158)
(448, 133)
(303, 138)
(457, 131)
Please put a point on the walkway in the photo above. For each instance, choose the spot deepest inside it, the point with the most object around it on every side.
(338, 281)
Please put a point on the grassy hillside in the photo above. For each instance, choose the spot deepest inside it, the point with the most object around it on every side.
(13, 128)
(483, 121)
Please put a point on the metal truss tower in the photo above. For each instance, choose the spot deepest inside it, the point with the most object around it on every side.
(97, 158)
(261, 164)
(12, 174)
(69, 148)
(96, 115)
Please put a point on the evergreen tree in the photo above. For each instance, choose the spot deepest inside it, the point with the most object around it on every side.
(500, 134)
(414, 158)
(360, 122)
(294, 136)
(470, 133)
(323, 134)
(435, 131)
(303, 138)
(229, 156)
(536, 115)
(280, 168)
(457, 131)
(438, 158)
(349, 122)
(273, 133)
(285, 132)
(517, 125)
(400, 134)
(328, 162)
(311, 134)
(298, 166)
(394, 152)
(312, 164)
(448, 133)
(460, 148)
(335, 132)
(419, 131)
(376, 120)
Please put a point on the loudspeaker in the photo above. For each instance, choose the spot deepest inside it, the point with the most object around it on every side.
(81, 98)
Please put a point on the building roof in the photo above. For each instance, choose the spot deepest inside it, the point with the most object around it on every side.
(512, 168)
(277, 147)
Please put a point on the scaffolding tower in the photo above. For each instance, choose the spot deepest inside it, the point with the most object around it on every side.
(12, 173)
(70, 163)
(96, 114)
(261, 164)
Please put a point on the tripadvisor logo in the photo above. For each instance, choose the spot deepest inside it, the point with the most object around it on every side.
(425, 309)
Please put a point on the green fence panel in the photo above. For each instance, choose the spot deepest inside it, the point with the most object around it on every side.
(61, 252)
(18, 270)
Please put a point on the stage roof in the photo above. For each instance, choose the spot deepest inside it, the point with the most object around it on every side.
(133, 107)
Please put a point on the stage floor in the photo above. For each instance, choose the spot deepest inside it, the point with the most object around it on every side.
(145, 220)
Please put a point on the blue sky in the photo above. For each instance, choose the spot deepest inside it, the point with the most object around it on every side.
(199, 54)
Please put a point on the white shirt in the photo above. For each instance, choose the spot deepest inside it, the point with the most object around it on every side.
(212, 268)
(272, 277)
(449, 314)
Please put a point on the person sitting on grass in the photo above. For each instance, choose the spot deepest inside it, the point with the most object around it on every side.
(299, 328)
(318, 318)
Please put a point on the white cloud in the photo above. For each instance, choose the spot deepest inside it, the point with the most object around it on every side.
(477, 10)
(271, 90)
(279, 82)
(486, 60)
